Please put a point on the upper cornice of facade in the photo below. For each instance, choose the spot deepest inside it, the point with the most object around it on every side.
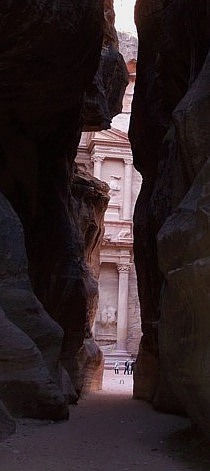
(102, 153)
(109, 139)
(104, 139)
(127, 244)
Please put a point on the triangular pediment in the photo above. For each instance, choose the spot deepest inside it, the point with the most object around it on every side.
(110, 135)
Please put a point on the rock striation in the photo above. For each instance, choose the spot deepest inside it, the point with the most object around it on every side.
(169, 133)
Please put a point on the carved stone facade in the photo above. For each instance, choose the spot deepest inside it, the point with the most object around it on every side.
(107, 156)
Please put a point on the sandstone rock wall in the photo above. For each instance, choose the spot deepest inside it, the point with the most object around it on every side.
(90, 198)
(103, 99)
(169, 132)
(30, 339)
(49, 56)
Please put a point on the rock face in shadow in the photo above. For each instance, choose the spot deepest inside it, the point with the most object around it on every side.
(50, 54)
(7, 423)
(30, 339)
(169, 133)
(103, 99)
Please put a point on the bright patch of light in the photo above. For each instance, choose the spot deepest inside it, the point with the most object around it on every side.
(124, 16)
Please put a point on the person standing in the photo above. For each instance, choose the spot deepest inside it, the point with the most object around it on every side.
(116, 367)
(126, 370)
(132, 366)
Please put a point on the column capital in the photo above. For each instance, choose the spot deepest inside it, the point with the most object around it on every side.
(128, 160)
(123, 267)
(97, 158)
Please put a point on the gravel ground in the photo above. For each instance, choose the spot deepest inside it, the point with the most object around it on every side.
(107, 431)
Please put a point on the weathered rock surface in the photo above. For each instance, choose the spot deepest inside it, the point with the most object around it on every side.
(42, 88)
(90, 202)
(26, 387)
(16, 295)
(147, 127)
(30, 339)
(169, 133)
(7, 423)
(49, 57)
(90, 366)
(104, 97)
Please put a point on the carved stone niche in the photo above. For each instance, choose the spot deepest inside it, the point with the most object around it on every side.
(108, 316)
(107, 325)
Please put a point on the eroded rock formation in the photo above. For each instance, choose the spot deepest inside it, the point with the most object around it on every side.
(169, 133)
(49, 55)
(103, 99)
(90, 200)
(30, 339)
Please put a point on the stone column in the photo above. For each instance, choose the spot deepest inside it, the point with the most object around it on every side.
(97, 160)
(127, 188)
(122, 314)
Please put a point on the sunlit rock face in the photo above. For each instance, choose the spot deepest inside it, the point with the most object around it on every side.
(90, 199)
(170, 139)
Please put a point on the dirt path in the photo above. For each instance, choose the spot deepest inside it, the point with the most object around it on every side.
(107, 431)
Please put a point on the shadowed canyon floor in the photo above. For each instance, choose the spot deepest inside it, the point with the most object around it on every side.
(107, 431)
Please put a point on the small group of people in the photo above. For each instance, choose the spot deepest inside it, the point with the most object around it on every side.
(128, 367)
